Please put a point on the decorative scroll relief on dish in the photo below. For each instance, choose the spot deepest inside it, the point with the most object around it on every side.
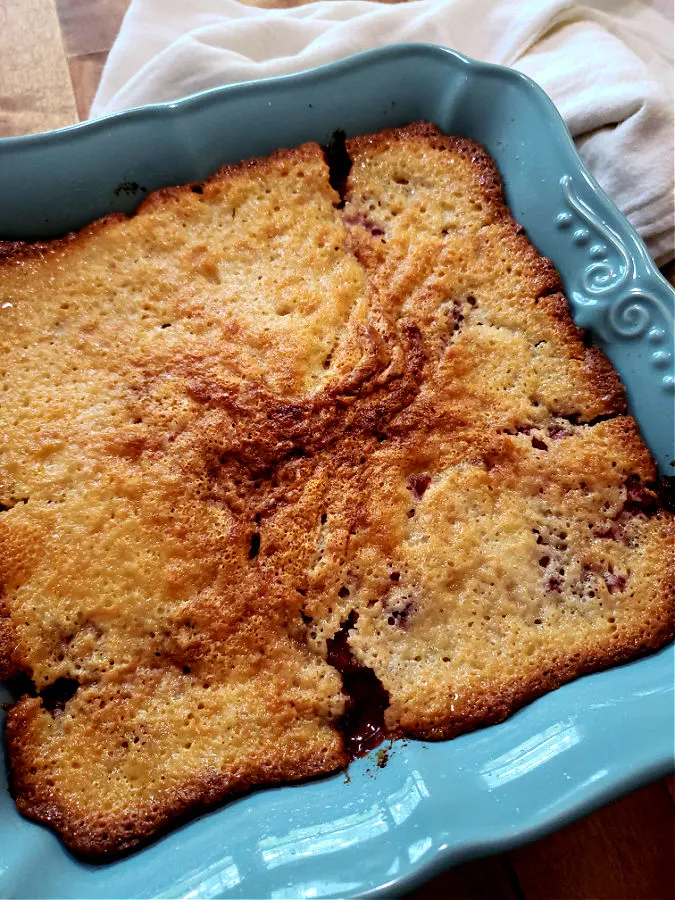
(604, 301)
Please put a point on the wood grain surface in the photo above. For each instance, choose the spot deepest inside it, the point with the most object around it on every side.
(52, 53)
(36, 92)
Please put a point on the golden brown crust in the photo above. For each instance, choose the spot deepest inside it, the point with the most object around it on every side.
(497, 705)
(8, 666)
(429, 135)
(260, 414)
(104, 837)
(16, 251)
(546, 286)
(602, 376)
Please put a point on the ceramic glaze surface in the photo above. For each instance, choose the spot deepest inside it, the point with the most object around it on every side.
(384, 829)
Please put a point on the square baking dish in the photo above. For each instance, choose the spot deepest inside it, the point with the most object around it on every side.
(433, 805)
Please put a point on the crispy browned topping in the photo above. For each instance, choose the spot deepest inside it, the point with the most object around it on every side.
(262, 434)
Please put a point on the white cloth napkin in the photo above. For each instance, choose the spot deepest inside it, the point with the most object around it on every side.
(606, 64)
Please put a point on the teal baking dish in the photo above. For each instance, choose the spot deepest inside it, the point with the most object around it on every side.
(433, 805)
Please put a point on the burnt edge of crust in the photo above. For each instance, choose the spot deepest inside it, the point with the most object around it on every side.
(113, 837)
(9, 666)
(497, 706)
(213, 789)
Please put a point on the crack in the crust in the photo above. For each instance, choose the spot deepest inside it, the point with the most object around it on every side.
(577, 419)
(641, 499)
(19, 685)
(328, 358)
(254, 547)
(362, 725)
(665, 489)
(11, 503)
(418, 484)
(554, 427)
(339, 164)
(53, 697)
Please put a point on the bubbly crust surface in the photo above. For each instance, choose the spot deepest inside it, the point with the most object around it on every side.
(263, 412)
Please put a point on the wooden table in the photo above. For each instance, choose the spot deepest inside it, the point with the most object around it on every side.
(51, 56)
